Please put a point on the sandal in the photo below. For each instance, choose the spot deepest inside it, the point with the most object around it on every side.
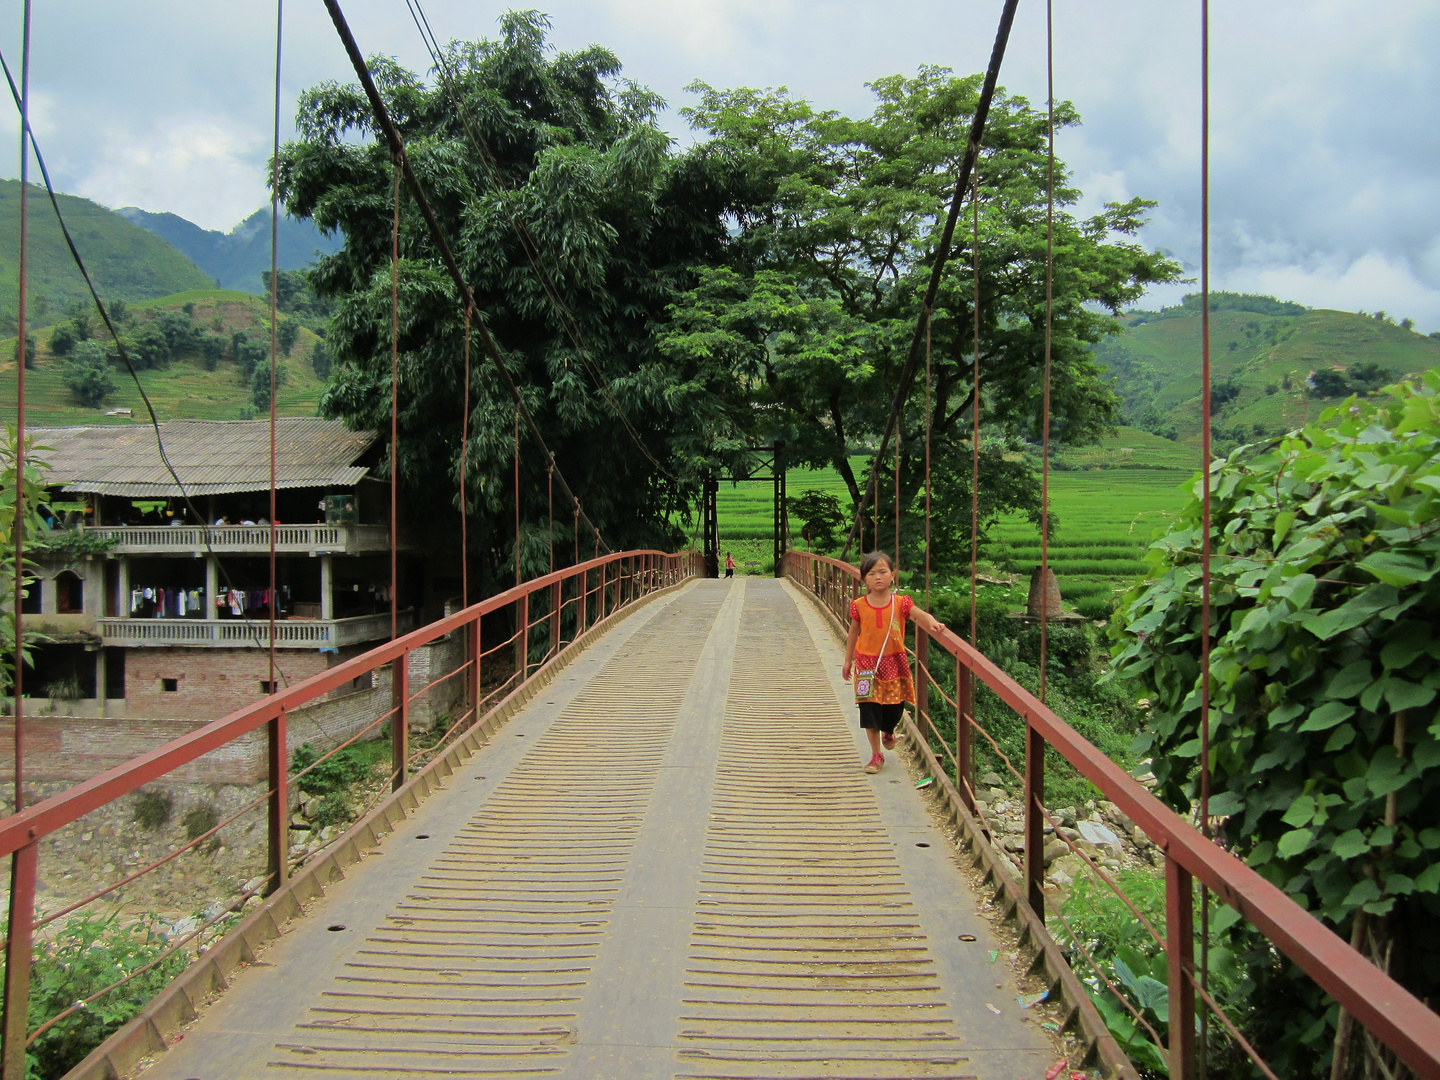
(876, 764)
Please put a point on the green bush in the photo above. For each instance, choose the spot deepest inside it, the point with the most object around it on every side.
(334, 809)
(86, 955)
(336, 773)
(200, 820)
(86, 374)
(152, 808)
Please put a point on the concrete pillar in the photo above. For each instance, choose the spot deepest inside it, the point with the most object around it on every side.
(100, 688)
(327, 586)
(124, 598)
(212, 587)
(47, 594)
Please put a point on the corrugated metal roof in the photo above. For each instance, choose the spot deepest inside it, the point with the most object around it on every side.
(212, 457)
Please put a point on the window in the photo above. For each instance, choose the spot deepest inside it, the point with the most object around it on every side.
(170, 686)
(363, 681)
(266, 686)
(69, 594)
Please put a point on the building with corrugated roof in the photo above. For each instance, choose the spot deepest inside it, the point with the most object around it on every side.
(153, 588)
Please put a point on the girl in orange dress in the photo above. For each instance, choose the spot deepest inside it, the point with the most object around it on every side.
(875, 654)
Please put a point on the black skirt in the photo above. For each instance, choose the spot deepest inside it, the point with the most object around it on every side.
(881, 717)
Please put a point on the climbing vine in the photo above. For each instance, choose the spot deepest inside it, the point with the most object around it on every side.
(1325, 747)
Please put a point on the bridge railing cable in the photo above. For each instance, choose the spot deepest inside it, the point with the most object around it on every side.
(503, 643)
(945, 729)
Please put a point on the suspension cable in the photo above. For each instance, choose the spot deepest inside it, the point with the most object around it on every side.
(464, 466)
(1049, 330)
(947, 235)
(1205, 448)
(447, 255)
(898, 432)
(395, 412)
(274, 330)
(517, 497)
(928, 407)
(975, 430)
(19, 520)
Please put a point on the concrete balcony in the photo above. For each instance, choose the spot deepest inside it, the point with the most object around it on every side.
(246, 539)
(254, 633)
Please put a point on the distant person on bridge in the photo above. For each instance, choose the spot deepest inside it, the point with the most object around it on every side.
(875, 654)
(729, 565)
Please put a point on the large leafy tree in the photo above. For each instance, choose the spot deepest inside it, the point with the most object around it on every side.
(834, 237)
(520, 147)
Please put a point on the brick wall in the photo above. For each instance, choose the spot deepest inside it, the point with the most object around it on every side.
(209, 683)
(76, 748)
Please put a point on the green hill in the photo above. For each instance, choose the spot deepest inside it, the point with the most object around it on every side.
(1266, 353)
(182, 389)
(124, 260)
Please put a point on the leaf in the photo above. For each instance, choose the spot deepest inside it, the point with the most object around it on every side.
(1283, 521)
(1362, 892)
(1294, 842)
(1224, 918)
(1340, 738)
(1350, 845)
(1301, 812)
(1327, 716)
(1428, 880)
(1430, 837)
(1350, 680)
(1400, 694)
(1226, 804)
(1154, 995)
(1386, 772)
(1358, 609)
(1398, 885)
(1426, 754)
(1397, 569)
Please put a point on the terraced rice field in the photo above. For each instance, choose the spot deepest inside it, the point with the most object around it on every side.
(746, 513)
(1104, 521)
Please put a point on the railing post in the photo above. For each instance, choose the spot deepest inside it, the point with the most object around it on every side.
(964, 709)
(279, 808)
(1180, 952)
(19, 948)
(555, 618)
(922, 682)
(400, 719)
(477, 686)
(584, 598)
(522, 637)
(1035, 819)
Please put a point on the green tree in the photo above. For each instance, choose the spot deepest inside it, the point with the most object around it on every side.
(574, 153)
(1325, 760)
(1328, 383)
(819, 515)
(148, 347)
(248, 353)
(119, 311)
(62, 340)
(30, 348)
(87, 374)
(286, 334)
(260, 385)
(320, 360)
(212, 348)
(834, 240)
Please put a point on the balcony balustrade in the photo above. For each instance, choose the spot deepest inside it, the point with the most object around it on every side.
(251, 633)
(190, 539)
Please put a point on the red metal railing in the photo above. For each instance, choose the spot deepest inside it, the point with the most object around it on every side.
(577, 598)
(1387, 1010)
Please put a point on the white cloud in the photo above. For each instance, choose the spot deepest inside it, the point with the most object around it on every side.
(197, 168)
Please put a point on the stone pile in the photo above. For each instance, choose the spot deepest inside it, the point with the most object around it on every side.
(1099, 829)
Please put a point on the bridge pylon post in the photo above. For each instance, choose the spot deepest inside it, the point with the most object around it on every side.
(781, 514)
(710, 525)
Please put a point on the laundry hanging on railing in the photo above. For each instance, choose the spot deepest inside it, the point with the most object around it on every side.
(167, 603)
(235, 602)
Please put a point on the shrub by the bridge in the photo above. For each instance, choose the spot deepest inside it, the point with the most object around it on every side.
(1325, 748)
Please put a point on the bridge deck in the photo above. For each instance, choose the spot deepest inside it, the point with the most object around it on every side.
(669, 865)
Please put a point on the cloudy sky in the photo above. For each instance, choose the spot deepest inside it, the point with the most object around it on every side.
(1325, 147)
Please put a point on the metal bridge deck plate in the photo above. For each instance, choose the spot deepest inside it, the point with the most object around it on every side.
(670, 865)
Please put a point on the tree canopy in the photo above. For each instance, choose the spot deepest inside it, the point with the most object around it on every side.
(664, 310)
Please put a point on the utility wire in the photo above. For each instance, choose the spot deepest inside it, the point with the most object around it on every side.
(450, 84)
(125, 357)
(466, 294)
(942, 250)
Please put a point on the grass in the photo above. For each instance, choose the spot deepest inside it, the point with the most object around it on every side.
(184, 390)
(1101, 524)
